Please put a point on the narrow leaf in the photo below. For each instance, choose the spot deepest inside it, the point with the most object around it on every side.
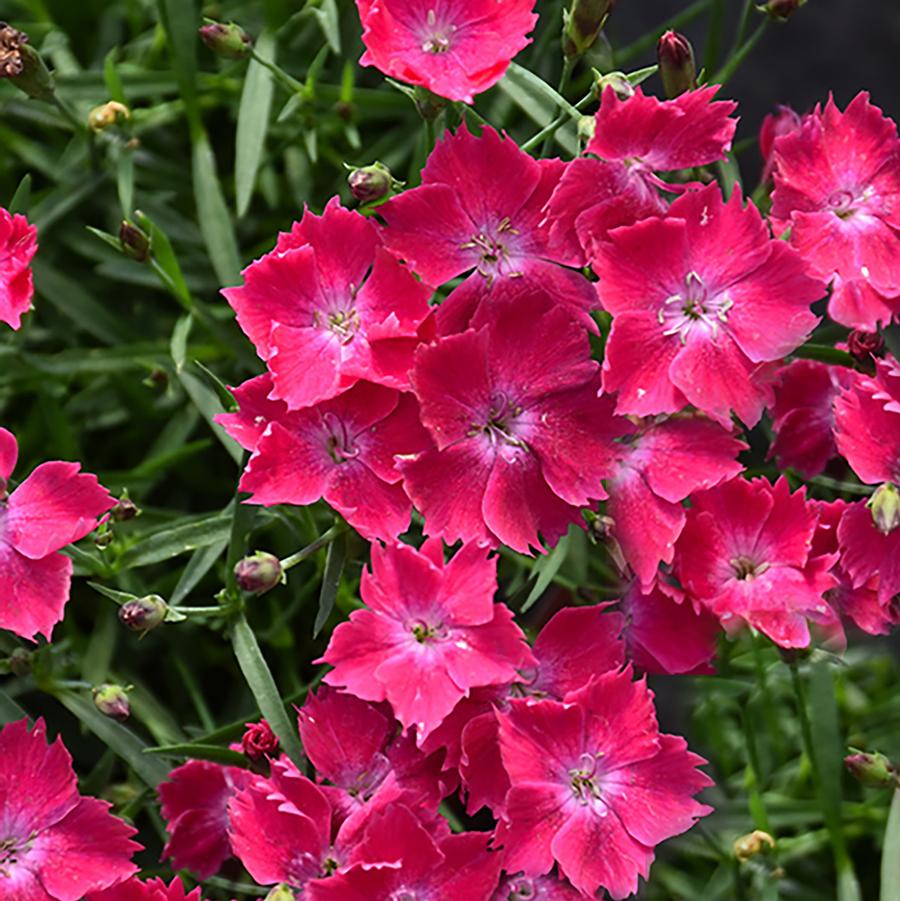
(545, 569)
(21, 200)
(176, 540)
(216, 754)
(331, 580)
(890, 854)
(120, 597)
(198, 566)
(207, 402)
(327, 14)
(10, 711)
(179, 340)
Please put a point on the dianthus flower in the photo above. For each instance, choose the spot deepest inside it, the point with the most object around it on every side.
(18, 244)
(661, 464)
(837, 187)
(536, 888)
(745, 554)
(194, 805)
(454, 48)
(152, 890)
(430, 634)
(55, 845)
(522, 439)
(783, 121)
(594, 785)
(259, 740)
(616, 183)
(479, 210)
(703, 302)
(56, 505)
(329, 306)
(341, 450)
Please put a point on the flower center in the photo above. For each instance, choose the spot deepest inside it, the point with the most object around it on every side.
(500, 423)
(342, 323)
(402, 894)
(521, 888)
(437, 36)
(493, 251)
(693, 308)
(745, 569)
(844, 202)
(12, 850)
(584, 780)
(339, 442)
(427, 633)
(369, 780)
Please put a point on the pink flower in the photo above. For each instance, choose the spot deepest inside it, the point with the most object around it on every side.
(837, 186)
(616, 184)
(259, 740)
(536, 888)
(803, 418)
(480, 207)
(703, 302)
(430, 634)
(56, 505)
(869, 555)
(455, 48)
(329, 306)
(152, 890)
(783, 121)
(18, 244)
(341, 450)
(194, 805)
(594, 785)
(745, 555)
(256, 409)
(54, 843)
(522, 439)
(660, 465)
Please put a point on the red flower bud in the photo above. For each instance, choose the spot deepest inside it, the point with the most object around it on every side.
(143, 614)
(135, 242)
(371, 183)
(259, 740)
(112, 701)
(781, 9)
(864, 345)
(229, 41)
(676, 64)
(872, 769)
(258, 573)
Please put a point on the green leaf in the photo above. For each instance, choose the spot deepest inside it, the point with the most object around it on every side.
(824, 354)
(331, 580)
(176, 540)
(215, 220)
(327, 15)
(215, 753)
(125, 180)
(181, 21)
(179, 340)
(120, 597)
(890, 855)
(545, 569)
(121, 740)
(262, 685)
(207, 402)
(111, 77)
(540, 102)
(539, 90)
(21, 200)
(165, 262)
(10, 711)
(201, 562)
(253, 122)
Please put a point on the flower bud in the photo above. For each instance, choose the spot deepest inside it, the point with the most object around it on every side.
(371, 183)
(582, 24)
(618, 81)
(135, 242)
(783, 121)
(101, 117)
(22, 64)
(258, 573)
(885, 507)
(229, 41)
(864, 345)
(259, 741)
(124, 509)
(676, 64)
(281, 893)
(781, 9)
(429, 105)
(19, 662)
(872, 769)
(112, 701)
(143, 614)
(753, 843)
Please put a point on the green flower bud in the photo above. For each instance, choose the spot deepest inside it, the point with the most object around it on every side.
(748, 846)
(258, 573)
(582, 24)
(618, 81)
(112, 701)
(885, 507)
(102, 117)
(20, 662)
(371, 183)
(143, 614)
(781, 9)
(135, 241)
(281, 893)
(872, 769)
(124, 509)
(676, 64)
(229, 41)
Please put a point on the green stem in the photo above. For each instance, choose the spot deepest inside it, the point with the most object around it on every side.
(890, 855)
(824, 354)
(568, 65)
(323, 540)
(740, 55)
(554, 125)
(714, 39)
(752, 779)
(772, 724)
(288, 82)
(648, 40)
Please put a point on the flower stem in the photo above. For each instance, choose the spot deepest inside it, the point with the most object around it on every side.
(890, 855)
(288, 82)
(323, 540)
(740, 55)
(551, 128)
(568, 65)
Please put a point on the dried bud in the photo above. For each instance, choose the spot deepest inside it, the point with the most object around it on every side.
(783, 121)
(750, 845)
(872, 769)
(259, 741)
(864, 345)
(143, 614)
(135, 241)
(582, 24)
(124, 509)
(281, 893)
(22, 64)
(20, 662)
(676, 64)
(371, 183)
(258, 573)
(229, 41)
(111, 113)
(781, 9)
(112, 701)
(885, 507)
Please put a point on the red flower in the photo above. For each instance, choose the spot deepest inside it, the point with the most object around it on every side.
(194, 805)
(329, 306)
(152, 890)
(341, 450)
(259, 741)
(481, 207)
(56, 505)
(594, 785)
(455, 48)
(431, 633)
(745, 554)
(783, 121)
(54, 843)
(837, 186)
(702, 301)
(18, 244)
(522, 439)
(536, 888)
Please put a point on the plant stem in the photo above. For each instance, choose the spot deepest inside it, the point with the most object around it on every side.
(561, 119)
(890, 855)
(739, 55)
(323, 540)
(568, 65)
(824, 354)
(288, 82)
(648, 40)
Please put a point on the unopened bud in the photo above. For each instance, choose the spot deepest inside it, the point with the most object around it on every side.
(885, 507)
(258, 573)
(864, 345)
(753, 843)
(143, 614)
(22, 64)
(103, 538)
(371, 183)
(618, 81)
(582, 24)
(429, 105)
(259, 741)
(676, 64)
(281, 893)
(121, 793)
(112, 701)
(781, 9)
(586, 128)
(101, 117)
(872, 769)
(124, 509)
(20, 662)
(230, 41)
(135, 241)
